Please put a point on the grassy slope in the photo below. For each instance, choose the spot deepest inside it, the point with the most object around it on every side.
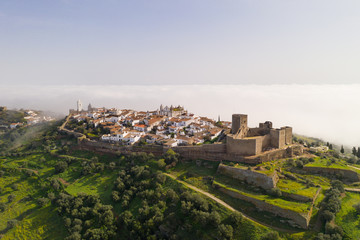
(196, 175)
(326, 163)
(34, 222)
(347, 218)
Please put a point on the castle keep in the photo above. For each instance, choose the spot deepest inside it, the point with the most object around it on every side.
(247, 141)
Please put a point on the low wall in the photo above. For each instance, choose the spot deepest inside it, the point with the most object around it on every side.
(296, 197)
(255, 178)
(302, 220)
(301, 198)
(349, 175)
(113, 148)
(218, 152)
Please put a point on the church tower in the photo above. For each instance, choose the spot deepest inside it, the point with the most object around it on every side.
(79, 106)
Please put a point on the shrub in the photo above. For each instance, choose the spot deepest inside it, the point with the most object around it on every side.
(43, 201)
(271, 236)
(357, 207)
(2, 206)
(161, 163)
(112, 165)
(15, 187)
(276, 192)
(51, 196)
(61, 167)
(11, 197)
(299, 164)
(12, 223)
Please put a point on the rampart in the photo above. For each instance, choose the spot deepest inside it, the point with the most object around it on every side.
(349, 175)
(301, 198)
(300, 219)
(116, 149)
(255, 178)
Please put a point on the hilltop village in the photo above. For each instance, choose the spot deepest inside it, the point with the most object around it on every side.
(168, 126)
(191, 136)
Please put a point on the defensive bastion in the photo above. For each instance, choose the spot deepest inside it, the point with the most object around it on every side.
(248, 145)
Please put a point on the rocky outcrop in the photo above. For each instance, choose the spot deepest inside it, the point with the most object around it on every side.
(255, 178)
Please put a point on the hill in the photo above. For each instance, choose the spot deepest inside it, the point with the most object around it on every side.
(51, 189)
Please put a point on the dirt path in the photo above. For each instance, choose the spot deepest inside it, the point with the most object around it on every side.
(64, 182)
(357, 190)
(227, 205)
(34, 171)
(353, 167)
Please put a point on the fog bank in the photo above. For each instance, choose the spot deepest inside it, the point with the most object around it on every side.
(330, 112)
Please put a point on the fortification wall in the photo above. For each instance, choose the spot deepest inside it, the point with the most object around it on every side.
(255, 178)
(266, 141)
(349, 175)
(244, 147)
(288, 135)
(302, 198)
(277, 138)
(296, 197)
(302, 220)
(112, 148)
(293, 150)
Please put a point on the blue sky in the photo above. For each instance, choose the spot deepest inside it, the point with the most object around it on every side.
(157, 42)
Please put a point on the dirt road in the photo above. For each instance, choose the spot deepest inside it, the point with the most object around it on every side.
(227, 205)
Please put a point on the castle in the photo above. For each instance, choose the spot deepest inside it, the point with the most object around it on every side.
(247, 141)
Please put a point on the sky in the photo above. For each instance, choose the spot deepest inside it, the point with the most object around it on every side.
(293, 62)
(157, 42)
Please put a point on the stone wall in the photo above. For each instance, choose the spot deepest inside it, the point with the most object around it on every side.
(116, 149)
(244, 147)
(255, 178)
(349, 175)
(288, 135)
(302, 220)
(277, 138)
(301, 198)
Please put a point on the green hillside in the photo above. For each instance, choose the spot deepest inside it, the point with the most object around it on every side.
(50, 189)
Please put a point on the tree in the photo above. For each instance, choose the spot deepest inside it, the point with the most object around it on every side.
(327, 215)
(226, 231)
(342, 150)
(354, 152)
(331, 146)
(236, 218)
(336, 184)
(112, 165)
(358, 152)
(271, 236)
(61, 167)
